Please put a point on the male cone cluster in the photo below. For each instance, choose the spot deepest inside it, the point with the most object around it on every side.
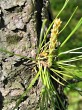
(53, 41)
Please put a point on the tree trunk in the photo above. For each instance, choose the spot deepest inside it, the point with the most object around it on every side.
(20, 24)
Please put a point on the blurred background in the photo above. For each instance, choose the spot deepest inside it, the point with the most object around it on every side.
(75, 98)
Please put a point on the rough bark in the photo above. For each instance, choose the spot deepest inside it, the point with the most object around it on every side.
(20, 23)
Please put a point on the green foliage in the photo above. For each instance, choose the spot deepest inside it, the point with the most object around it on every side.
(74, 41)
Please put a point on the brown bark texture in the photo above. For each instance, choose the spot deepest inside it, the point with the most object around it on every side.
(20, 24)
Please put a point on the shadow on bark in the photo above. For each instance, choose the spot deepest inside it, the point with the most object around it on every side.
(1, 101)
